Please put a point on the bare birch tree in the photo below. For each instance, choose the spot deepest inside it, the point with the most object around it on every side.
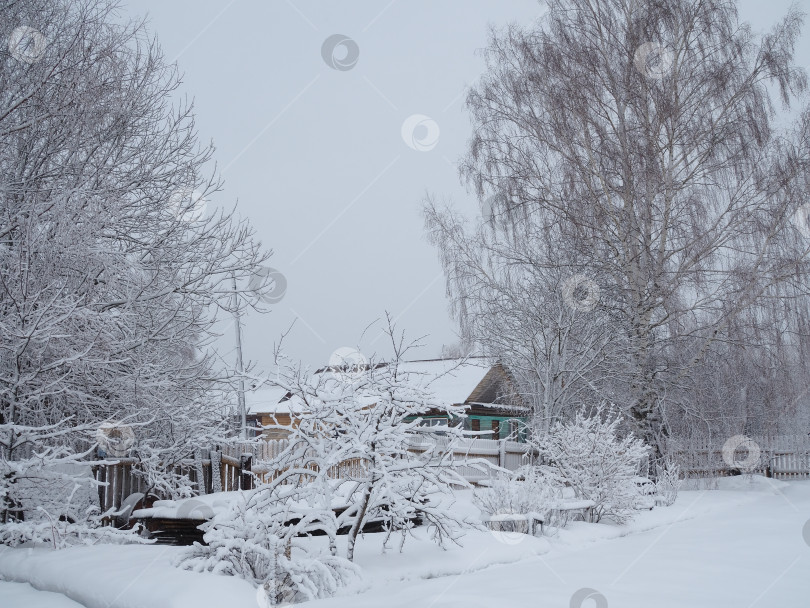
(644, 138)
(560, 347)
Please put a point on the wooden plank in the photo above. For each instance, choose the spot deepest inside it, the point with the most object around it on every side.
(109, 495)
(207, 476)
(230, 460)
(126, 488)
(119, 485)
(245, 476)
(101, 477)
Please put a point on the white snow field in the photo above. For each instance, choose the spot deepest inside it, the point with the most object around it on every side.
(744, 545)
(23, 594)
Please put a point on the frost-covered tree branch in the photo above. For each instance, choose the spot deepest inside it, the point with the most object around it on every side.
(111, 272)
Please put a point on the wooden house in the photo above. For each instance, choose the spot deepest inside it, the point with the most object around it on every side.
(268, 406)
(485, 390)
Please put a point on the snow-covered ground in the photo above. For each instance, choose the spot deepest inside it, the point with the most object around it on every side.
(23, 594)
(741, 546)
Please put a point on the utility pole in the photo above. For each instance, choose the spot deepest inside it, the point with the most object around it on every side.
(239, 362)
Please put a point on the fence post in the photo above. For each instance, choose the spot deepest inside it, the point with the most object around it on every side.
(100, 473)
(216, 471)
(198, 466)
(502, 453)
(245, 476)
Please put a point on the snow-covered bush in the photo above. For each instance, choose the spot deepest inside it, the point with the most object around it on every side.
(529, 490)
(668, 482)
(255, 539)
(49, 497)
(599, 465)
(56, 484)
(348, 461)
(397, 485)
(57, 533)
(366, 426)
(258, 537)
(367, 422)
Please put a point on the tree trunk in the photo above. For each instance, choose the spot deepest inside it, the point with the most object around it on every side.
(358, 523)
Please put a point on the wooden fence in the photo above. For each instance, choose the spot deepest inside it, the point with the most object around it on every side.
(509, 455)
(475, 459)
(778, 457)
(117, 480)
(483, 455)
(122, 477)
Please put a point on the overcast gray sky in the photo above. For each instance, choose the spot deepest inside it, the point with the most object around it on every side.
(316, 158)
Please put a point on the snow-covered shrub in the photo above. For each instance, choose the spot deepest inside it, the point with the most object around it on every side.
(348, 460)
(599, 465)
(60, 534)
(530, 490)
(398, 485)
(367, 423)
(668, 482)
(251, 540)
(50, 497)
(366, 427)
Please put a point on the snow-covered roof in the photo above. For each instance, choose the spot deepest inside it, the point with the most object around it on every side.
(451, 381)
(501, 406)
(267, 399)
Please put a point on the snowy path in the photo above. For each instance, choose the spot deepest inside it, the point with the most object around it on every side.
(746, 556)
(23, 595)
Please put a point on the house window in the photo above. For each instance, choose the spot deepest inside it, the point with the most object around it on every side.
(475, 424)
(496, 429)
